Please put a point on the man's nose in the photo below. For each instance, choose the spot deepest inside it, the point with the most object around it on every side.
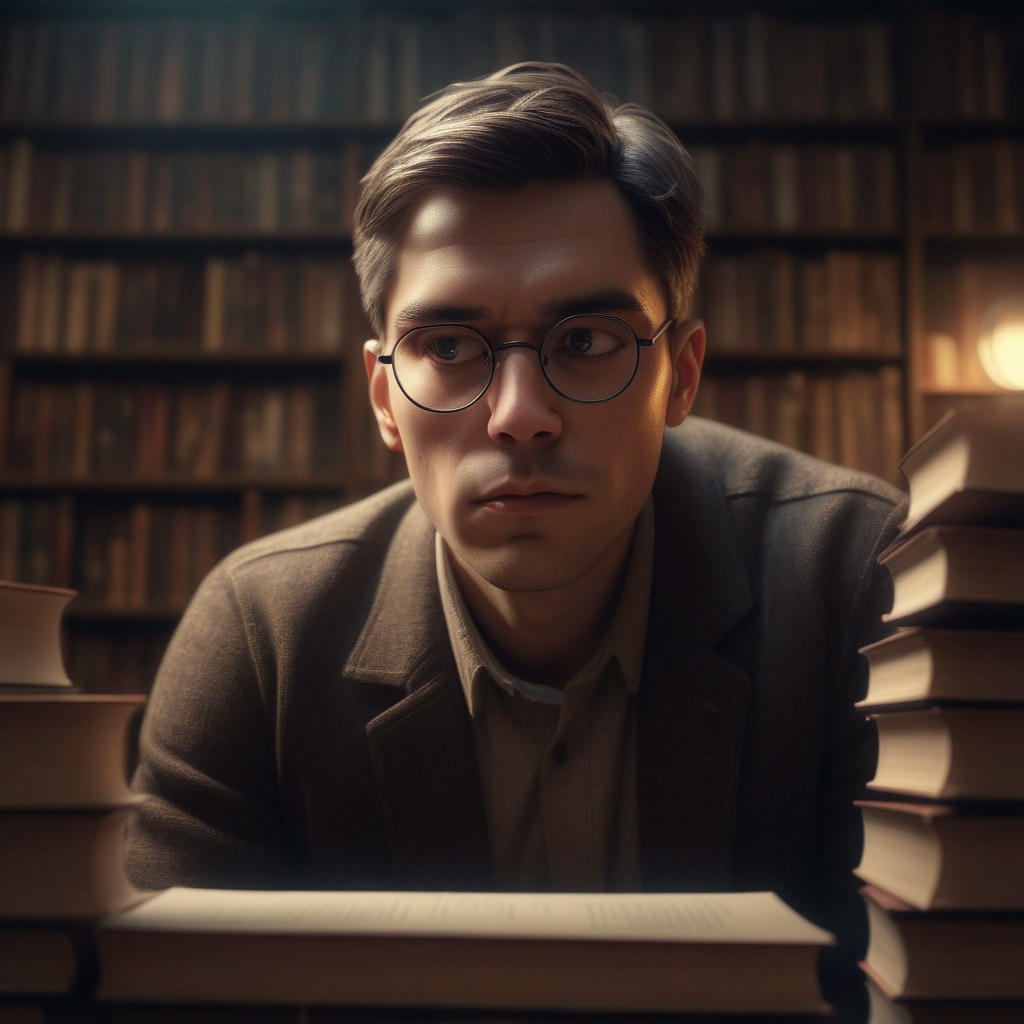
(524, 407)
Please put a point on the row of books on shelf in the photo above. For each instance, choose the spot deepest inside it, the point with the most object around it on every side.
(970, 66)
(81, 428)
(944, 824)
(134, 554)
(747, 186)
(65, 800)
(762, 185)
(774, 299)
(255, 301)
(375, 66)
(116, 656)
(142, 555)
(854, 417)
(974, 186)
(133, 190)
(765, 299)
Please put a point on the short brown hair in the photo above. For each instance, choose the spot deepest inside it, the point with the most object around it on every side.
(532, 123)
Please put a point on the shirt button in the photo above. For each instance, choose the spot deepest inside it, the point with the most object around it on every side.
(559, 753)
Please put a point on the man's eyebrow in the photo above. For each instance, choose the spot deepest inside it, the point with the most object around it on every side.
(437, 313)
(600, 301)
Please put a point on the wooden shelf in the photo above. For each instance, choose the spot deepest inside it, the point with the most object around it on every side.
(325, 132)
(213, 134)
(139, 241)
(223, 484)
(739, 359)
(967, 392)
(946, 131)
(178, 362)
(974, 239)
(342, 241)
(93, 612)
(804, 238)
(790, 130)
(292, 8)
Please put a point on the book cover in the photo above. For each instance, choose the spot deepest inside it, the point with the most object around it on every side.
(957, 575)
(944, 752)
(953, 955)
(959, 473)
(962, 665)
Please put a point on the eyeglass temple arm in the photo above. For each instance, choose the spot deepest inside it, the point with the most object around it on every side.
(647, 342)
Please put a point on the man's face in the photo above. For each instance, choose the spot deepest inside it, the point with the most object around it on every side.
(529, 490)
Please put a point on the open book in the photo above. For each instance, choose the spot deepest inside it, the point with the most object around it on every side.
(732, 952)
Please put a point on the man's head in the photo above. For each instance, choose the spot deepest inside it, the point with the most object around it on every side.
(533, 123)
(504, 206)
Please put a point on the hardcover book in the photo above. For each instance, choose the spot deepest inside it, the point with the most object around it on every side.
(939, 856)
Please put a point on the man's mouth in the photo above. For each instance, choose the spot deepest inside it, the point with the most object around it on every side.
(526, 502)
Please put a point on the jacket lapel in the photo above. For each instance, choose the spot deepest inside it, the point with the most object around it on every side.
(426, 773)
(692, 701)
(422, 746)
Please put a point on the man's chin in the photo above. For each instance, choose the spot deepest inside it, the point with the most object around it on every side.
(524, 565)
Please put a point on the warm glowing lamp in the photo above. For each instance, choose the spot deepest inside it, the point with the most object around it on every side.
(1001, 344)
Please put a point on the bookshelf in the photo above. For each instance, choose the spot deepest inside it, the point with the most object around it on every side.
(967, 102)
(180, 325)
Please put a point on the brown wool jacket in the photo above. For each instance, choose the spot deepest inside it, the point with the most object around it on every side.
(306, 728)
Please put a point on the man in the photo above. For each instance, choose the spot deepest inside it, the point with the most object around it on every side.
(578, 650)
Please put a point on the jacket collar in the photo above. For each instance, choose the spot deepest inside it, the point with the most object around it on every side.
(692, 710)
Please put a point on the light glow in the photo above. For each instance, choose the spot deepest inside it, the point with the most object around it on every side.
(1001, 346)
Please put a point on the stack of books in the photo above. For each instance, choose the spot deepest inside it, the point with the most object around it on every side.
(64, 800)
(943, 841)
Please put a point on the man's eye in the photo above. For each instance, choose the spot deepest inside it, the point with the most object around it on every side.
(445, 348)
(580, 341)
(587, 341)
(449, 349)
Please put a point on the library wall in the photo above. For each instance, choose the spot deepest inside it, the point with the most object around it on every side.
(180, 327)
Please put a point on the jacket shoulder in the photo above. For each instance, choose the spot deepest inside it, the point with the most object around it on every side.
(745, 465)
(287, 581)
(368, 523)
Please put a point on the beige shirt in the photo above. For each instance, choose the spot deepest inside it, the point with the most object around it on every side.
(558, 764)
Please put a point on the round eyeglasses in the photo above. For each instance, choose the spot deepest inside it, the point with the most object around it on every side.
(585, 358)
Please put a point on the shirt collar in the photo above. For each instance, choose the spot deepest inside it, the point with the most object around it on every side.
(624, 641)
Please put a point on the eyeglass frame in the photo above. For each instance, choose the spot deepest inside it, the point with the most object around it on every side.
(389, 360)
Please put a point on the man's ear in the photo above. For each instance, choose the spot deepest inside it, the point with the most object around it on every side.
(687, 345)
(380, 395)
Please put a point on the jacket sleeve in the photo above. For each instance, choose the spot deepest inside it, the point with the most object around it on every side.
(851, 752)
(210, 814)
(852, 749)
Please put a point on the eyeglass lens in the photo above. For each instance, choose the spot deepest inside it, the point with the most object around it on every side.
(447, 367)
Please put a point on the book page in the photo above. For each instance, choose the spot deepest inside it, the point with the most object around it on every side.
(675, 917)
